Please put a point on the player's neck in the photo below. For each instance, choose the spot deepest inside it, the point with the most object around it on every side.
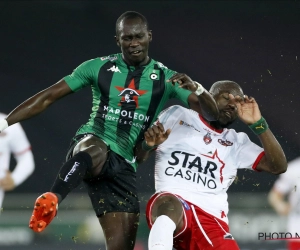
(137, 64)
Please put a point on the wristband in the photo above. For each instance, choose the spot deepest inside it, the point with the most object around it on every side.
(200, 88)
(146, 147)
(3, 125)
(259, 127)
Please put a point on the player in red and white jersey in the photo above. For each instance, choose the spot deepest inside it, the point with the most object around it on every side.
(284, 197)
(13, 141)
(196, 162)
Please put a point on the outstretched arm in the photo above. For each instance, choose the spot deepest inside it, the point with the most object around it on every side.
(37, 103)
(274, 160)
(154, 136)
(200, 100)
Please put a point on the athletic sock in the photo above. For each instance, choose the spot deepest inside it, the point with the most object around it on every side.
(71, 174)
(161, 234)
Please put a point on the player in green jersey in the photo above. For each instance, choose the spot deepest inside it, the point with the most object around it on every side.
(129, 90)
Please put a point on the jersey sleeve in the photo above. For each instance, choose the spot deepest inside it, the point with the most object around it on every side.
(84, 75)
(248, 153)
(288, 180)
(284, 184)
(18, 142)
(169, 116)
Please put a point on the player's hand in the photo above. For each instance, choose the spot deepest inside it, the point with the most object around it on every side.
(7, 183)
(247, 108)
(184, 81)
(156, 135)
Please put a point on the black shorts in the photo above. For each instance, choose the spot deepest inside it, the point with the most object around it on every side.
(114, 189)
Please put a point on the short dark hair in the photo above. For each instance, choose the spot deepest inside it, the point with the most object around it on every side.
(131, 15)
(218, 86)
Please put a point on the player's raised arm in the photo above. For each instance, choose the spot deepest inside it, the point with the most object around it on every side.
(200, 100)
(274, 160)
(36, 104)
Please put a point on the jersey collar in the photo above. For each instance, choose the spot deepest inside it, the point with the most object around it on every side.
(209, 126)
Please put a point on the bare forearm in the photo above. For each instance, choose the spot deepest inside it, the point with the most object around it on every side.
(39, 102)
(29, 108)
(142, 154)
(204, 104)
(209, 107)
(274, 160)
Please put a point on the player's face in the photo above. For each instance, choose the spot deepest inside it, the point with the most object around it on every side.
(134, 38)
(227, 109)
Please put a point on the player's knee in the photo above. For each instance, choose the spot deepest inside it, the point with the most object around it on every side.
(170, 206)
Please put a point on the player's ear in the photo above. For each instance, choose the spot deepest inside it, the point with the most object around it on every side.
(150, 35)
(117, 41)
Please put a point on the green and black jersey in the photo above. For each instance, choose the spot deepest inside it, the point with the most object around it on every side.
(126, 100)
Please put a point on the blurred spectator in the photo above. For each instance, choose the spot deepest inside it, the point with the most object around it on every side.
(284, 197)
(13, 141)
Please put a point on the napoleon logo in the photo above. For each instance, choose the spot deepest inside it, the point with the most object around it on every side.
(207, 138)
(128, 95)
(225, 142)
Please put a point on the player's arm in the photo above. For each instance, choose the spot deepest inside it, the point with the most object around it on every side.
(274, 160)
(200, 100)
(36, 104)
(23, 169)
(277, 201)
(153, 137)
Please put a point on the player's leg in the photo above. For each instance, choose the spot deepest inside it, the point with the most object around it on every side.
(120, 229)
(167, 215)
(114, 198)
(89, 156)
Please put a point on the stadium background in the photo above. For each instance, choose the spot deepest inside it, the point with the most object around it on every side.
(255, 43)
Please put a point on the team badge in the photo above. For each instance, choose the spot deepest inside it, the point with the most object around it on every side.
(207, 138)
(154, 75)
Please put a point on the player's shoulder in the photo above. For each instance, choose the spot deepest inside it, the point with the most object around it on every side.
(102, 59)
(238, 137)
(176, 108)
(293, 166)
(97, 62)
(177, 111)
(160, 65)
(2, 115)
(111, 58)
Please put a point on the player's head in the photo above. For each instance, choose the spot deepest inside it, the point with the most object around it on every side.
(220, 91)
(133, 37)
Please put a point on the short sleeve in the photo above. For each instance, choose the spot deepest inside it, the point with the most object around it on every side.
(284, 184)
(169, 116)
(288, 180)
(248, 153)
(84, 75)
(18, 142)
